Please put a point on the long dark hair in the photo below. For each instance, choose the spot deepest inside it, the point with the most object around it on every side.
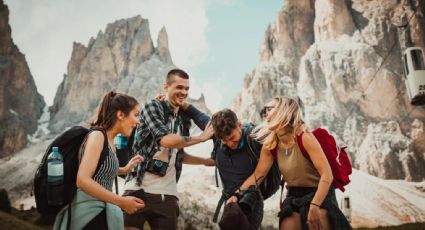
(109, 106)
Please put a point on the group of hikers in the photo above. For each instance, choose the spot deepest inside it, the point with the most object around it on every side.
(160, 130)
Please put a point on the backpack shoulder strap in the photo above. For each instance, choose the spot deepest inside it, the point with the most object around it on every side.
(217, 144)
(165, 109)
(253, 147)
(186, 122)
(299, 139)
(217, 209)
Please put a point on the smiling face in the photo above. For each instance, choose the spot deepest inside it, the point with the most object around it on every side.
(128, 122)
(177, 91)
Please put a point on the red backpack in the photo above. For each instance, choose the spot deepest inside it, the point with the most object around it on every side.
(337, 157)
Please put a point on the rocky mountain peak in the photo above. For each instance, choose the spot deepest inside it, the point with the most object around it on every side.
(121, 58)
(5, 36)
(332, 19)
(162, 48)
(282, 39)
(20, 103)
(329, 54)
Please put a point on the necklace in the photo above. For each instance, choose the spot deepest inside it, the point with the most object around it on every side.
(286, 151)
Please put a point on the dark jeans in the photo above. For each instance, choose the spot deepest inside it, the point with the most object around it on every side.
(256, 217)
(298, 200)
(160, 212)
(99, 222)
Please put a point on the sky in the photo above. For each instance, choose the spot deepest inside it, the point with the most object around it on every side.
(216, 41)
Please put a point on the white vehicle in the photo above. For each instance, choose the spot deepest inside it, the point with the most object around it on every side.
(346, 207)
(414, 68)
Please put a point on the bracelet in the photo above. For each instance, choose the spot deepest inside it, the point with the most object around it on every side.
(311, 203)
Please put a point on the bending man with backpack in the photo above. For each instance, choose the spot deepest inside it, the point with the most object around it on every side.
(160, 138)
(94, 205)
(236, 155)
(310, 201)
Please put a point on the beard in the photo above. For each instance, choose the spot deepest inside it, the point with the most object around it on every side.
(179, 99)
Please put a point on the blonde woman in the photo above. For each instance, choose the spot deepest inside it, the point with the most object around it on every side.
(309, 203)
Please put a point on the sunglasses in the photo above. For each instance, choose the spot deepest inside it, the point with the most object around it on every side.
(268, 108)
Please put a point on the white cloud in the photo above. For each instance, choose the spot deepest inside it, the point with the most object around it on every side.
(44, 30)
(214, 92)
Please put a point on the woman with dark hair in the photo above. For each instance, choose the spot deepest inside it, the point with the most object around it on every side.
(95, 206)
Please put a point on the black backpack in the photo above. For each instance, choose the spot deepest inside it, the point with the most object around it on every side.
(272, 182)
(69, 144)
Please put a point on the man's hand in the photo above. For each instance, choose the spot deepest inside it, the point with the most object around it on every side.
(208, 132)
(209, 162)
(232, 199)
(160, 97)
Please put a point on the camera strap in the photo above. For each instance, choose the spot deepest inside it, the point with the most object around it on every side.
(174, 129)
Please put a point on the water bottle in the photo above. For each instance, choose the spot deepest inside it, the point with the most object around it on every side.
(121, 143)
(55, 188)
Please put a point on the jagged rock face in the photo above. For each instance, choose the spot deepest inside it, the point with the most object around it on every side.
(123, 58)
(336, 78)
(332, 19)
(391, 148)
(285, 42)
(20, 103)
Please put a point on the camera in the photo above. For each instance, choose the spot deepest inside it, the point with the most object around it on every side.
(248, 199)
(157, 167)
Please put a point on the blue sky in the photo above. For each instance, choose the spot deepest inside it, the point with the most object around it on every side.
(235, 33)
(216, 41)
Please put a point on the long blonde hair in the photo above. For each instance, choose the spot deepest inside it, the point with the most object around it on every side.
(284, 118)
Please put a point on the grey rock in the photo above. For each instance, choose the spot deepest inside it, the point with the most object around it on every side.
(332, 67)
(20, 103)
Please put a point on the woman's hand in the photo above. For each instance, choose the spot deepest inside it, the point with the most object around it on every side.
(131, 204)
(135, 160)
(313, 219)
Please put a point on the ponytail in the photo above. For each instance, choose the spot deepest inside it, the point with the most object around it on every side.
(109, 106)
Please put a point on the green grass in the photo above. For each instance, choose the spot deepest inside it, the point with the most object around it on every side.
(9, 221)
(30, 219)
(25, 220)
(414, 226)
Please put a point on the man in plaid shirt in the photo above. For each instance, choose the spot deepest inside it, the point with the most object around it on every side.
(160, 138)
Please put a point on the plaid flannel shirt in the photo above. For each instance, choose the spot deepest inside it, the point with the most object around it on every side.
(149, 133)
